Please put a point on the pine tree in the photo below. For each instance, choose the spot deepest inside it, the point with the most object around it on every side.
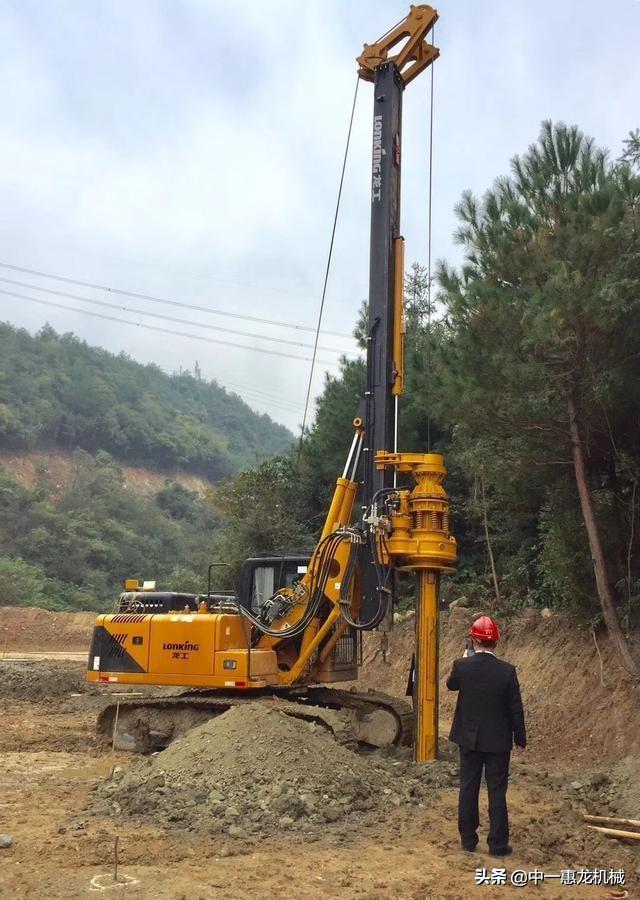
(544, 329)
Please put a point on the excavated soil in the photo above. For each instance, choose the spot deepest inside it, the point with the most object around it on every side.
(40, 680)
(616, 790)
(256, 769)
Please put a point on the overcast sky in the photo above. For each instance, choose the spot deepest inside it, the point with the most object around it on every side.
(191, 150)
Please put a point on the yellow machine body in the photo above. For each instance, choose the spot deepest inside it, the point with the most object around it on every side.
(215, 650)
(195, 649)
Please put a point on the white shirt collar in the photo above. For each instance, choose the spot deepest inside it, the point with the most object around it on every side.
(490, 652)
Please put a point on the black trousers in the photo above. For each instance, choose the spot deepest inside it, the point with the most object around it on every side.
(496, 773)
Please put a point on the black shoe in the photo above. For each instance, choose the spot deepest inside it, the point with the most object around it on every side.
(503, 851)
(469, 848)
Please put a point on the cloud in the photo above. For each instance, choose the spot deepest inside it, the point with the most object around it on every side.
(192, 150)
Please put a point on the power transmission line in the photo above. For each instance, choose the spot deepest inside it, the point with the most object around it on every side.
(203, 273)
(195, 337)
(258, 392)
(251, 393)
(258, 395)
(250, 399)
(142, 312)
(153, 299)
(259, 401)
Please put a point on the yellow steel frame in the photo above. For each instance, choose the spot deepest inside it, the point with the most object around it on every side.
(399, 322)
(413, 57)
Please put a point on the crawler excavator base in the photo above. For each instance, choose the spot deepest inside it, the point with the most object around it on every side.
(145, 725)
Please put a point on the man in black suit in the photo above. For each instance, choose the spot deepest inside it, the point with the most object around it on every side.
(488, 717)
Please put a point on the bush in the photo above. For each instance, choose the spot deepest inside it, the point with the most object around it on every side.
(21, 583)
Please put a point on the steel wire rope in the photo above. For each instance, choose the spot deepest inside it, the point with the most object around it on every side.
(328, 266)
(142, 312)
(195, 337)
(389, 30)
(153, 299)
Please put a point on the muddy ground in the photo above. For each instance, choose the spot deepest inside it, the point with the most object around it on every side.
(583, 757)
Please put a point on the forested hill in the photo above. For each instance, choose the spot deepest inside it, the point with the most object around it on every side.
(57, 391)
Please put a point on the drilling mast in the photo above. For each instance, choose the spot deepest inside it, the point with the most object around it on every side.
(409, 529)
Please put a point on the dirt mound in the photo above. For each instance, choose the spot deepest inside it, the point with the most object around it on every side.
(615, 790)
(625, 777)
(553, 827)
(35, 680)
(255, 769)
(31, 628)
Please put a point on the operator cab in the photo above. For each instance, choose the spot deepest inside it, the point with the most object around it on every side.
(262, 577)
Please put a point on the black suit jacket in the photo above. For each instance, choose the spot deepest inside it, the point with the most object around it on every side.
(489, 713)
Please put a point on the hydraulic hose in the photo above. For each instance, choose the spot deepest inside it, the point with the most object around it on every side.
(345, 599)
(324, 554)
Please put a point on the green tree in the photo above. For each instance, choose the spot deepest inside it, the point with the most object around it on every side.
(175, 500)
(631, 153)
(263, 514)
(327, 442)
(544, 329)
(22, 583)
(84, 540)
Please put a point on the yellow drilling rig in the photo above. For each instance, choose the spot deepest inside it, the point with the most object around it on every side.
(295, 624)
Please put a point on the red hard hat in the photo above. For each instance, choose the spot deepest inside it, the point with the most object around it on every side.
(485, 629)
